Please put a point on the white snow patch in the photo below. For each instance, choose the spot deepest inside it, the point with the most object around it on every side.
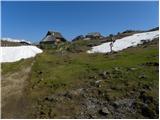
(15, 40)
(129, 41)
(12, 54)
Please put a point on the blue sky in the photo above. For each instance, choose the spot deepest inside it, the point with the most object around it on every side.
(32, 20)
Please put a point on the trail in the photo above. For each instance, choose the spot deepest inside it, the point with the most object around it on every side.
(14, 102)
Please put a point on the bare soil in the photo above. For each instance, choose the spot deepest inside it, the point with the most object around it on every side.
(14, 103)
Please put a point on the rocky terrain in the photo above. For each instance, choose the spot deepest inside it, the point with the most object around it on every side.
(98, 90)
(66, 82)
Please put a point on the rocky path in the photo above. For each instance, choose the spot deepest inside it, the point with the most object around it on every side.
(13, 99)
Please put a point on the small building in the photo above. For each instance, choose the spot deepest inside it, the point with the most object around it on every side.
(94, 35)
(53, 38)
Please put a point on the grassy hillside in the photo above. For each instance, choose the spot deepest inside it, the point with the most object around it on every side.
(81, 85)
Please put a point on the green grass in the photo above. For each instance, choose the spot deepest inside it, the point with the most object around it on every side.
(72, 68)
(54, 73)
(15, 66)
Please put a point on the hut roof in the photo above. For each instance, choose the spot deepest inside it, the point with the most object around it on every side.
(55, 34)
(94, 34)
(52, 36)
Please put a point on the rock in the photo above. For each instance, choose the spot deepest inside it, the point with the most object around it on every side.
(68, 95)
(142, 76)
(132, 69)
(55, 98)
(104, 74)
(50, 98)
(73, 93)
(98, 81)
(123, 103)
(116, 69)
(90, 105)
(104, 111)
(78, 91)
(147, 87)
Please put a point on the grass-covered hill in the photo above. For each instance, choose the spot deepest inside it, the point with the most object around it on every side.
(64, 83)
(82, 44)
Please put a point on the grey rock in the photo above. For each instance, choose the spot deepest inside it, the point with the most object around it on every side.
(98, 81)
(104, 111)
(104, 74)
(90, 105)
(116, 69)
(124, 103)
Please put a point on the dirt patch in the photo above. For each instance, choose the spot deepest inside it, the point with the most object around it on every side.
(14, 102)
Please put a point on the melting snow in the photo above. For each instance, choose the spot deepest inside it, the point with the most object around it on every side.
(12, 54)
(129, 41)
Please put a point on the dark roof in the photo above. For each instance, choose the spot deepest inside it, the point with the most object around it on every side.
(52, 36)
(48, 38)
(55, 34)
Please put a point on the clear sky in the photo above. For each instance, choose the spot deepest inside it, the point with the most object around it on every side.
(32, 20)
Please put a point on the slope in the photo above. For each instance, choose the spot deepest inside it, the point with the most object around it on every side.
(123, 43)
(81, 85)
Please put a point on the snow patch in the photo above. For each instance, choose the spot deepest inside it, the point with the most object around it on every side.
(129, 41)
(12, 54)
(15, 40)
